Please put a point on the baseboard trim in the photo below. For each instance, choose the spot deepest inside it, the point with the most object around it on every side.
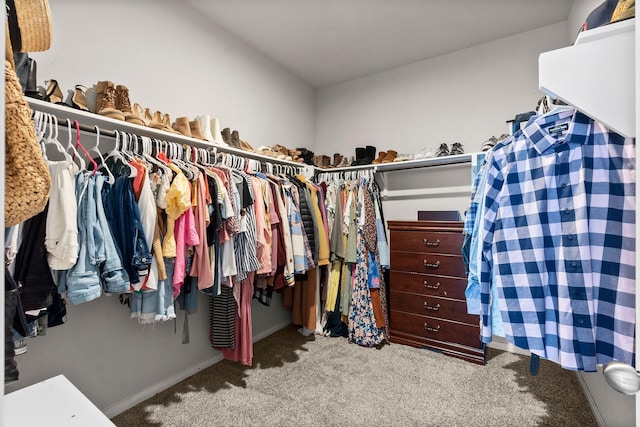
(592, 401)
(502, 344)
(149, 392)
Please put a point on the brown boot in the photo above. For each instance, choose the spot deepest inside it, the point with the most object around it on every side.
(106, 101)
(337, 158)
(196, 130)
(326, 161)
(390, 157)
(381, 156)
(226, 136)
(182, 125)
(123, 103)
(235, 140)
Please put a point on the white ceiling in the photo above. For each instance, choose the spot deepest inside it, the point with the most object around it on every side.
(325, 42)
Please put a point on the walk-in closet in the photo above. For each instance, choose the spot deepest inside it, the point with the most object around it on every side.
(312, 213)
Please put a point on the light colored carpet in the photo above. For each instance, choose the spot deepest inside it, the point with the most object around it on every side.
(298, 381)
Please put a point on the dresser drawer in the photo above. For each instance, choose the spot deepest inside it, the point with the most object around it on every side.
(445, 265)
(427, 241)
(435, 329)
(432, 306)
(427, 284)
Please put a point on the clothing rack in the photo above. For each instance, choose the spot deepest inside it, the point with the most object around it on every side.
(93, 123)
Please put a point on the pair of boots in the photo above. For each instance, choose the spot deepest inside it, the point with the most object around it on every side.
(113, 101)
(188, 128)
(364, 156)
(306, 155)
(322, 161)
(232, 139)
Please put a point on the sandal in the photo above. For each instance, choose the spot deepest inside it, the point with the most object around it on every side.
(78, 100)
(53, 92)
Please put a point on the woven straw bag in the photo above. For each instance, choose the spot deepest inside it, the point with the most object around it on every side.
(29, 22)
(27, 176)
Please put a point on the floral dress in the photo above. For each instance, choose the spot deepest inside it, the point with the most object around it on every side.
(362, 325)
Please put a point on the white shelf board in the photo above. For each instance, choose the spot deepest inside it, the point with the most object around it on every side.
(55, 402)
(596, 75)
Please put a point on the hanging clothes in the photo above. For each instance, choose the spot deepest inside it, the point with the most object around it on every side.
(558, 241)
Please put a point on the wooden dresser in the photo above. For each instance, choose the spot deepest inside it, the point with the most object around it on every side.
(427, 282)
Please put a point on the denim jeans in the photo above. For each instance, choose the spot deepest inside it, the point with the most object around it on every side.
(166, 309)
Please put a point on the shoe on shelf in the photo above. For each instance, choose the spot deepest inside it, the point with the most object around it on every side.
(360, 153)
(123, 103)
(215, 131)
(205, 126)
(403, 157)
(246, 146)
(390, 156)
(326, 162)
(268, 151)
(78, 100)
(344, 162)
(423, 154)
(380, 158)
(488, 144)
(456, 148)
(235, 140)
(53, 93)
(181, 125)
(106, 101)
(142, 113)
(226, 137)
(443, 150)
(196, 130)
(370, 155)
(337, 159)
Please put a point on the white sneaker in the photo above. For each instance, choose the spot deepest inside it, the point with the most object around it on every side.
(20, 346)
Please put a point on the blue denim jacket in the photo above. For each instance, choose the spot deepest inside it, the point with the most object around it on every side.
(114, 278)
(123, 216)
(83, 279)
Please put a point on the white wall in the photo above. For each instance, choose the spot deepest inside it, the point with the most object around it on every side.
(464, 96)
(173, 61)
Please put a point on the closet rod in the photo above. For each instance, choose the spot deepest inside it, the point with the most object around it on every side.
(106, 124)
(91, 129)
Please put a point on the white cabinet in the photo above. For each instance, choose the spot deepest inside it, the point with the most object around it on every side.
(596, 75)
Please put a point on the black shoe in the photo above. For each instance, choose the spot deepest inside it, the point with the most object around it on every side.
(442, 151)
(360, 154)
(369, 155)
(456, 148)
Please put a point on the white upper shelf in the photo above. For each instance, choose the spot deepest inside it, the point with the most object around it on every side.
(596, 75)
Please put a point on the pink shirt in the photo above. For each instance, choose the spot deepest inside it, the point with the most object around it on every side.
(201, 267)
(186, 235)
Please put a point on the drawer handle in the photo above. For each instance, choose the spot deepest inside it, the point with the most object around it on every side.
(428, 243)
(431, 307)
(430, 329)
(436, 265)
(428, 286)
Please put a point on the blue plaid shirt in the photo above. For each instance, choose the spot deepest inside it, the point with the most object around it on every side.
(559, 238)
